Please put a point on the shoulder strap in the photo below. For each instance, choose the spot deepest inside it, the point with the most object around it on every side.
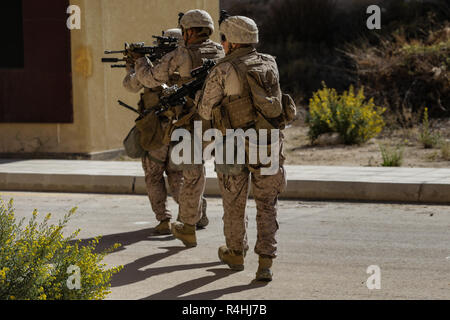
(237, 54)
(241, 72)
(234, 60)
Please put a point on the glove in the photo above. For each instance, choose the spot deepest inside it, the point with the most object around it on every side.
(134, 55)
(129, 66)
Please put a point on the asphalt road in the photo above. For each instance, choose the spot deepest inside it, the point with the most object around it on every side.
(325, 249)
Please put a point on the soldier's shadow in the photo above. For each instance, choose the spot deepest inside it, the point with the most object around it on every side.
(126, 239)
(132, 273)
(178, 292)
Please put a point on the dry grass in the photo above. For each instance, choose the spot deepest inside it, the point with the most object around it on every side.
(299, 151)
(407, 75)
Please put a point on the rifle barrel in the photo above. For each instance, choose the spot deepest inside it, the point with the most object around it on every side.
(123, 104)
(112, 60)
(115, 52)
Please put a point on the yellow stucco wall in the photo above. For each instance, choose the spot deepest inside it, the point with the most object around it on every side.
(99, 123)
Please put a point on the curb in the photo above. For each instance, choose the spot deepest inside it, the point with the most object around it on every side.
(412, 185)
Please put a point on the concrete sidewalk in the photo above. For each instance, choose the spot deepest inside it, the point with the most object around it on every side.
(423, 185)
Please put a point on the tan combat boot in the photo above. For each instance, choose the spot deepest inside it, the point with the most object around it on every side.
(163, 227)
(204, 221)
(234, 259)
(264, 273)
(186, 233)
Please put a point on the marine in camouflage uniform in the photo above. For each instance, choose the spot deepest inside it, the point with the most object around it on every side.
(197, 26)
(227, 84)
(156, 162)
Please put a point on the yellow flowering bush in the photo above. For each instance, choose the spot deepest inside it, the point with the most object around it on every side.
(355, 119)
(35, 260)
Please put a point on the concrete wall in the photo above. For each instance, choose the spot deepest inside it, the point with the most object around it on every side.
(99, 123)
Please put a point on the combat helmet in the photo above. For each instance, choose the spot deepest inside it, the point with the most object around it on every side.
(240, 30)
(174, 33)
(197, 19)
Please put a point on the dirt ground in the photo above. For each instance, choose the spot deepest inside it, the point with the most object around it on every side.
(299, 150)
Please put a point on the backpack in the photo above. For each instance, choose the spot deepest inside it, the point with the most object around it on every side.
(274, 109)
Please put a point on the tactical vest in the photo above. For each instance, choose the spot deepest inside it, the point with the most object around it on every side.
(199, 53)
(261, 104)
(258, 106)
(184, 117)
(241, 111)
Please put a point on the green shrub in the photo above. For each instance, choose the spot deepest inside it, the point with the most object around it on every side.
(355, 119)
(35, 260)
(392, 157)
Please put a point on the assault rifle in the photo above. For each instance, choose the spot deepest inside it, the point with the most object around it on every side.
(163, 46)
(175, 95)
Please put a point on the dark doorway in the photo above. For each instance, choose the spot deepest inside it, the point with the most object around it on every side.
(11, 35)
(35, 64)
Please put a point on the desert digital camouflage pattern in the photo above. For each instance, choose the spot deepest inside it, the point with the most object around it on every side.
(240, 30)
(222, 83)
(181, 61)
(178, 61)
(154, 165)
(235, 191)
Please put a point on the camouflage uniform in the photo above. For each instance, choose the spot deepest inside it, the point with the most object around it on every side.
(179, 61)
(182, 61)
(222, 84)
(155, 163)
(223, 81)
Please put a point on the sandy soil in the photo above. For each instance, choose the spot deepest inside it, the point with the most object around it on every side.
(299, 150)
